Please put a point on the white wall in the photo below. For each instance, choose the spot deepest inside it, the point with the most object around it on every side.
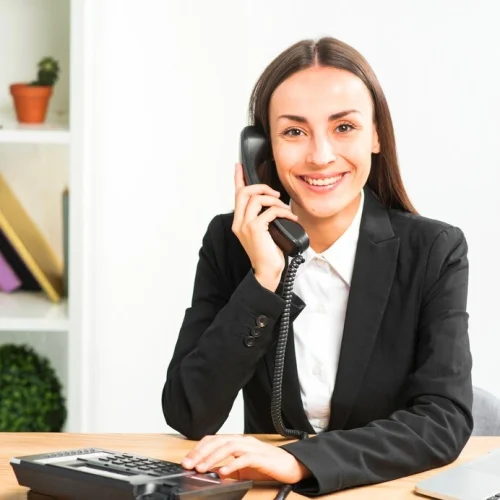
(171, 82)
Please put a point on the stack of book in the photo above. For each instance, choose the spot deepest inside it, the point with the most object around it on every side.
(27, 262)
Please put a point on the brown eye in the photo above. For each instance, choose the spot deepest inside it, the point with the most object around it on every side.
(293, 132)
(344, 127)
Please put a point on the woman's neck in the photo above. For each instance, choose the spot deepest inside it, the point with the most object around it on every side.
(324, 232)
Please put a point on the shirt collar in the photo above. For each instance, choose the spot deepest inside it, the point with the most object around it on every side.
(342, 253)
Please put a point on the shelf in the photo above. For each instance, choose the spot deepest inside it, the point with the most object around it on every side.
(30, 311)
(53, 131)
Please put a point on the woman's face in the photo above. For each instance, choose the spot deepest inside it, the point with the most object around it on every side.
(322, 135)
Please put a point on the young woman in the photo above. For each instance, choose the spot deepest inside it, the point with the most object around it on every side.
(378, 365)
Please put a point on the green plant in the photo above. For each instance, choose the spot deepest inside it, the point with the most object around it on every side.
(48, 73)
(30, 392)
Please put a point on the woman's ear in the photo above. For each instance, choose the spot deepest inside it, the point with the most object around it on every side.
(375, 141)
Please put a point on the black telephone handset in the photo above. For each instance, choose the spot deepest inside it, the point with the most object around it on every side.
(287, 234)
(293, 240)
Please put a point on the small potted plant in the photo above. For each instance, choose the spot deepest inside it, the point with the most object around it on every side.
(31, 100)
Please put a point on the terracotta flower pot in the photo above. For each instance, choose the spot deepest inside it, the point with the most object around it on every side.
(30, 102)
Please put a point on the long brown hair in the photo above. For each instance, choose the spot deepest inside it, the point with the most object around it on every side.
(385, 177)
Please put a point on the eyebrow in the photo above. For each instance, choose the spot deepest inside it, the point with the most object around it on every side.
(336, 116)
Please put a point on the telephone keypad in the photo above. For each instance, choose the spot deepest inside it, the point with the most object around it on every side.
(138, 465)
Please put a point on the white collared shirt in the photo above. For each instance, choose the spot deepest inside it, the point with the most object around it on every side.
(323, 282)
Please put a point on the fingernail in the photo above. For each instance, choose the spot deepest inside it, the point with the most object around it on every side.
(202, 467)
(223, 470)
(187, 463)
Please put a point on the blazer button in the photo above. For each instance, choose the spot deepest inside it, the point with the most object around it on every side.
(261, 321)
(256, 332)
(249, 341)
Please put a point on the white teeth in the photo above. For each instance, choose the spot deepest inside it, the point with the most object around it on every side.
(323, 182)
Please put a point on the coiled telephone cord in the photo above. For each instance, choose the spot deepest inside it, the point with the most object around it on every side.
(280, 363)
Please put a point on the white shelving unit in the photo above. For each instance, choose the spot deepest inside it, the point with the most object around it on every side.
(32, 312)
(56, 328)
(51, 132)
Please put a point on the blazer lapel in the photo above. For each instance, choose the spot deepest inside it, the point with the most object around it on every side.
(373, 273)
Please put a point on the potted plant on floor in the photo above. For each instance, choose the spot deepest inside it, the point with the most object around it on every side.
(31, 100)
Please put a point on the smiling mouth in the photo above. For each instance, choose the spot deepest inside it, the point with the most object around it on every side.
(327, 181)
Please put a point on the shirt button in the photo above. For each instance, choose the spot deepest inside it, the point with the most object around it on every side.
(321, 309)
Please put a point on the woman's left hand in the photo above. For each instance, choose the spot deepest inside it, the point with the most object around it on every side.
(251, 459)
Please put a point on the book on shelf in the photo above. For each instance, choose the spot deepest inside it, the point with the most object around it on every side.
(25, 248)
(28, 281)
(65, 219)
(9, 280)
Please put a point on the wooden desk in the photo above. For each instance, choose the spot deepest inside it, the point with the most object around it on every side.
(171, 447)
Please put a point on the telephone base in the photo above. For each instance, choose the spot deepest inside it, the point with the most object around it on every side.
(99, 474)
(33, 495)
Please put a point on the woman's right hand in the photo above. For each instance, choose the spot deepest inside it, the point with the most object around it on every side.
(252, 227)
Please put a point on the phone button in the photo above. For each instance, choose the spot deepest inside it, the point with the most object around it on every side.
(213, 475)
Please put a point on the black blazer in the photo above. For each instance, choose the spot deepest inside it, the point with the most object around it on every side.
(403, 394)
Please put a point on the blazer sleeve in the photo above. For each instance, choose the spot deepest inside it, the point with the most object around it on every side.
(213, 358)
(436, 422)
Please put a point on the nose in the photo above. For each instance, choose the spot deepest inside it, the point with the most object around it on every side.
(321, 151)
